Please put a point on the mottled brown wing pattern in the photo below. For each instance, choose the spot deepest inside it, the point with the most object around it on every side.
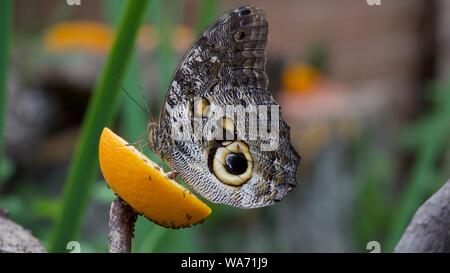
(226, 65)
(230, 52)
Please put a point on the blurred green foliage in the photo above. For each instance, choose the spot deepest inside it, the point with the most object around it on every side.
(6, 27)
(208, 12)
(374, 172)
(382, 214)
(431, 136)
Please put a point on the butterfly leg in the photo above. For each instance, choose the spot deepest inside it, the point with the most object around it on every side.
(172, 175)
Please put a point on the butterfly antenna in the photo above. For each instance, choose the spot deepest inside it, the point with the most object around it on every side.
(139, 145)
(129, 96)
(144, 99)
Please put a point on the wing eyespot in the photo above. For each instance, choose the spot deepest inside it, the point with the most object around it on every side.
(239, 36)
(232, 163)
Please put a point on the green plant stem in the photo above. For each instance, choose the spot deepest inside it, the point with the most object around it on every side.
(6, 11)
(134, 120)
(101, 112)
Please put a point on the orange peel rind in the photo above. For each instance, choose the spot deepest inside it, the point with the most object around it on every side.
(145, 186)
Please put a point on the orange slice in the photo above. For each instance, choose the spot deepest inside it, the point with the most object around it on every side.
(145, 187)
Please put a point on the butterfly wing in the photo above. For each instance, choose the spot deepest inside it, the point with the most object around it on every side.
(225, 66)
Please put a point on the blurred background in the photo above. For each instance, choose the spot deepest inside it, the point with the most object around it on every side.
(364, 88)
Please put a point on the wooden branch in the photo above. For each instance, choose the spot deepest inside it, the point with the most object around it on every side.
(15, 239)
(429, 230)
(121, 227)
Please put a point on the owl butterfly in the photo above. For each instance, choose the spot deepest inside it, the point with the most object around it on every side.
(242, 165)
